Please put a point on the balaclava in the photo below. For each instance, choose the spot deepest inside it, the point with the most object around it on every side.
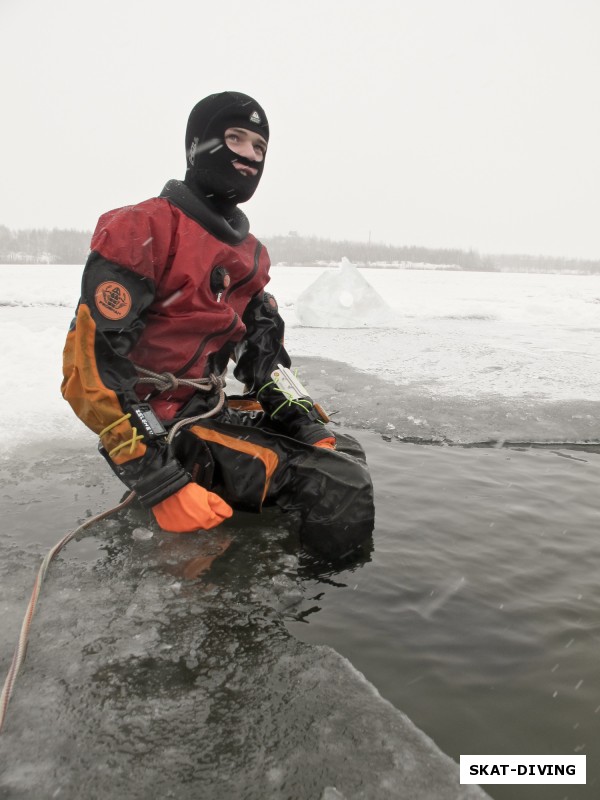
(209, 161)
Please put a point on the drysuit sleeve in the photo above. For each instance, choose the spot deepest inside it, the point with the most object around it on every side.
(257, 356)
(98, 377)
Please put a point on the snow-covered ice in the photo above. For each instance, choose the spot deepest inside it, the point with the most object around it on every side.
(467, 333)
(504, 338)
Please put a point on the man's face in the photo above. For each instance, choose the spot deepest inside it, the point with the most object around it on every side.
(248, 144)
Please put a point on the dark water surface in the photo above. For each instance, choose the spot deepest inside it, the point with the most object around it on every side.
(145, 678)
(479, 613)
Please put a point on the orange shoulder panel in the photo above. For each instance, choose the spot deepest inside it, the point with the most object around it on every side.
(93, 402)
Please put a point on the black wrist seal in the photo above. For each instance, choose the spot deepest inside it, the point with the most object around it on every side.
(161, 483)
(155, 476)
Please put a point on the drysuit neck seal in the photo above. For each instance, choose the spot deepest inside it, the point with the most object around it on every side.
(228, 223)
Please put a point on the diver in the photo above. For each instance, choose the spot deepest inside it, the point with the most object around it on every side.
(172, 291)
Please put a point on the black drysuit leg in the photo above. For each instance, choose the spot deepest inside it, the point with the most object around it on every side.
(248, 466)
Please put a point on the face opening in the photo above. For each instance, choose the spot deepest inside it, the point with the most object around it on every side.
(248, 144)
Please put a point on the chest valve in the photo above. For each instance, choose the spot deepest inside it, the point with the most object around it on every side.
(219, 281)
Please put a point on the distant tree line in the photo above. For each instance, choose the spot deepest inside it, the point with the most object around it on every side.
(42, 246)
(68, 246)
(303, 250)
(525, 263)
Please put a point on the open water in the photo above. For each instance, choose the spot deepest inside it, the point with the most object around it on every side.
(479, 612)
(476, 614)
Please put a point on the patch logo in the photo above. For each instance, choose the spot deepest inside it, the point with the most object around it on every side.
(255, 118)
(113, 300)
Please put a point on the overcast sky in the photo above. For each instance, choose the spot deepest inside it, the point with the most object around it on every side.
(445, 123)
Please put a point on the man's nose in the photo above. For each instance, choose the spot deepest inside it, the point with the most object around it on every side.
(248, 151)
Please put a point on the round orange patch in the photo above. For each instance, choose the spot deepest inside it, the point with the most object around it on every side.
(113, 300)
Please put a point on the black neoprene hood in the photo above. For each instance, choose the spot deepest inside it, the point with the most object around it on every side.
(210, 172)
